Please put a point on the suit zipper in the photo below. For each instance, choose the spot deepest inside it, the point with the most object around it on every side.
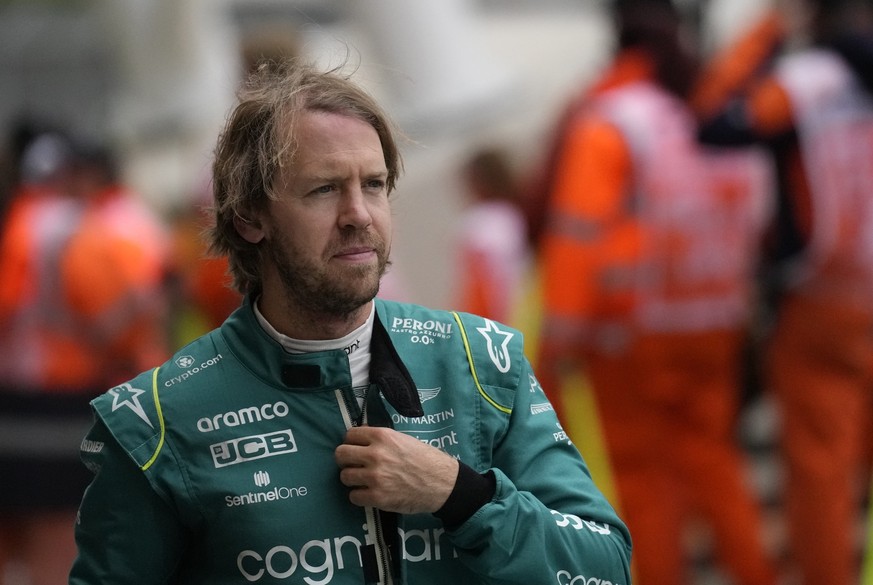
(374, 523)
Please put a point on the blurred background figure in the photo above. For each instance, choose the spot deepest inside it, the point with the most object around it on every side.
(492, 238)
(121, 250)
(801, 82)
(39, 221)
(200, 284)
(81, 307)
(36, 509)
(42, 482)
(648, 261)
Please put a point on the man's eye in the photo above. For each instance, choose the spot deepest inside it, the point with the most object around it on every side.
(323, 189)
(376, 184)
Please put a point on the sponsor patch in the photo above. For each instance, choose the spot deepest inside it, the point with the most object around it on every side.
(128, 396)
(252, 447)
(498, 345)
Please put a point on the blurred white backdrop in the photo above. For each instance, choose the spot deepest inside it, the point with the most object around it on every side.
(156, 78)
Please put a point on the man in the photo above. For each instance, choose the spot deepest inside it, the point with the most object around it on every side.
(321, 435)
(647, 262)
(812, 106)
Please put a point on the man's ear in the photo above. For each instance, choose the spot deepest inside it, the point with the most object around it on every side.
(249, 229)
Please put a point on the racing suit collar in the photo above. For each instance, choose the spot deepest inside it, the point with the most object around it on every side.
(319, 371)
(389, 373)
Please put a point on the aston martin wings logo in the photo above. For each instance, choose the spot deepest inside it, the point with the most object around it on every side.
(497, 350)
(127, 395)
(425, 394)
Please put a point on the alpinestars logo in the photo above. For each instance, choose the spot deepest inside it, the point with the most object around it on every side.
(497, 350)
(127, 395)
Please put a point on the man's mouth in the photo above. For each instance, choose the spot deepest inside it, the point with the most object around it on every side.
(356, 254)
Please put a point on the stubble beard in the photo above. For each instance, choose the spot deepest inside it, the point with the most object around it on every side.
(320, 289)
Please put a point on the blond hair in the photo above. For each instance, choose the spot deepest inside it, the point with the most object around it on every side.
(258, 140)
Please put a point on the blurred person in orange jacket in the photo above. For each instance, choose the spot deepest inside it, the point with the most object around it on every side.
(492, 238)
(79, 310)
(121, 250)
(808, 95)
(39, 222)
(648, 261)
(36, 519)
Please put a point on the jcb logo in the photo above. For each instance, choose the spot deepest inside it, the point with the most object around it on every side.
(253, 447)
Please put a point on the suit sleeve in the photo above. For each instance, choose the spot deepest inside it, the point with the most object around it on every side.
(126, 534)
(547, 521)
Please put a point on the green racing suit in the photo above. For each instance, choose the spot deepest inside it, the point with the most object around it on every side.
(218, 466)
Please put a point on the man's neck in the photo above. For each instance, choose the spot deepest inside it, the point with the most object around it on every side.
(300, 324)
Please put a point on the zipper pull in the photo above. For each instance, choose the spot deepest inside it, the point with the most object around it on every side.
(370, 564)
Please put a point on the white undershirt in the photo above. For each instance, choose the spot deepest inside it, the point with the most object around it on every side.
(356, 345)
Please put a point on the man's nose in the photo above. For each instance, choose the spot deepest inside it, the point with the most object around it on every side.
(354, 211)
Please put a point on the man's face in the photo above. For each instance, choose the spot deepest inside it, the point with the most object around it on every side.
(328, 236)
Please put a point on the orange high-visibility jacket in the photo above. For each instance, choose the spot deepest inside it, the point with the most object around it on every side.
(83, 305)
(649, 232)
